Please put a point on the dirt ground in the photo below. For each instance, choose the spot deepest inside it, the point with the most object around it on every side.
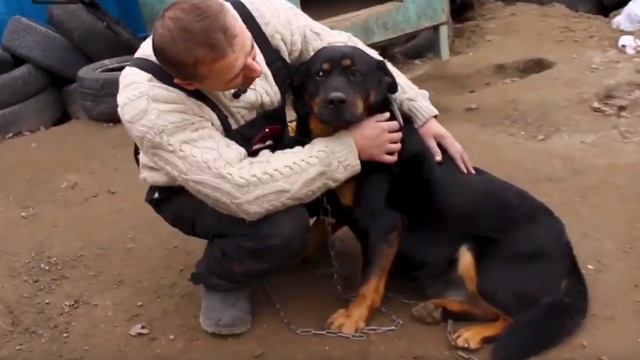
(83, 259)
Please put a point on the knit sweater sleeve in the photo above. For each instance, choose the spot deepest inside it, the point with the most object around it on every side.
(178, 136)
(303, 37)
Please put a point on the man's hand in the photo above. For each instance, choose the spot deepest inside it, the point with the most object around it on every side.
(377, 139)
(433, 134)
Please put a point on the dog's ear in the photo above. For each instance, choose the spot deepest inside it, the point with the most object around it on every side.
(298, 78)
(389, 79)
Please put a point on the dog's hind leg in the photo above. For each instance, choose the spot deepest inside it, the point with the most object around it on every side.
(431, 312)
(475, 336)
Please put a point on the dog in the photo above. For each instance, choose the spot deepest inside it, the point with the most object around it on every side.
(324, 103)
(481, 248)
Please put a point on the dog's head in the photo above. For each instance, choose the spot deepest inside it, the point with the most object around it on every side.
(342, 85)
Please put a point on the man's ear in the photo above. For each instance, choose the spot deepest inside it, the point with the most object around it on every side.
(389, 79)
(299, 74)
(185, 84)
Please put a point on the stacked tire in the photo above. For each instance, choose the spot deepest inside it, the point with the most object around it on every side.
(97, 87)
(68, 70)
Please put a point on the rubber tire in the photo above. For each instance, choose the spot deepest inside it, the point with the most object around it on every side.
(6, 62)
(41, 111)
(111, 23)
(76, 24)
(22, 84)
(615, 4)
(98, 89)
(71, 100)
(42, 46)
(425, 44)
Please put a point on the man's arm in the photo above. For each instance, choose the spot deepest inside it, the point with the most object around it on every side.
(303, 36)
(185, 145)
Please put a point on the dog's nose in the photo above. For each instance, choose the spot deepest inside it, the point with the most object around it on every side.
(336, 99)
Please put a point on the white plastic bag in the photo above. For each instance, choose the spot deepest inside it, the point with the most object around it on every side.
(628, 44)
(629, 18)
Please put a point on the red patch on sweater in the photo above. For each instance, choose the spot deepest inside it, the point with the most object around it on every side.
(265, 138)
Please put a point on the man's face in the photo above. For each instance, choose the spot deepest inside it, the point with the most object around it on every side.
(238, 70)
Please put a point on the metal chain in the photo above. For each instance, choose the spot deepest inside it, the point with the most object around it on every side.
(396, 322)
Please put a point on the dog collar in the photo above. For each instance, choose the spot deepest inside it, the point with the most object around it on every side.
(396, 112)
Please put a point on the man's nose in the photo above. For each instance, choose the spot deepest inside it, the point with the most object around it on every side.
(253, 69)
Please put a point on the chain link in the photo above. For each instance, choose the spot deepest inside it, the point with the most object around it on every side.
(396, 322)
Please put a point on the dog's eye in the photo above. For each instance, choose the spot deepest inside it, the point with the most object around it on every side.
(320, 74)
(354, 73)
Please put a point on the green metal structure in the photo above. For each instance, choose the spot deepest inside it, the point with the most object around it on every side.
(372, 25)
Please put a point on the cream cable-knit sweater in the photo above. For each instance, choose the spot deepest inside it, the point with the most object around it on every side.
(182, 143)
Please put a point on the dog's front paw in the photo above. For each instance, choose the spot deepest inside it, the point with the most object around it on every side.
(427, 313)
(348, 321)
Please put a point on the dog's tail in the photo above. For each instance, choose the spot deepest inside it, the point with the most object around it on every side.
(548, 324)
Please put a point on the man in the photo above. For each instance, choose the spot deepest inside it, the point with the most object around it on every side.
(203, 100)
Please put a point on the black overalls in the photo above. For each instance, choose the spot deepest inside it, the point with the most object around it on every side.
(237, 252)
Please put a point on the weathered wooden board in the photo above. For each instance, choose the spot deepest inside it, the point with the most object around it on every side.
(372, 25)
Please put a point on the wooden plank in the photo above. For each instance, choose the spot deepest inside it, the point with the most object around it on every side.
(344, 20)
(443, 41)
(371, 25)
(390, 20)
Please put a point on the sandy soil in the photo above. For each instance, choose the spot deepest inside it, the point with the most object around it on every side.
(83, 259)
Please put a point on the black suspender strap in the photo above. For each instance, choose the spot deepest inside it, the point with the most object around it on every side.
(270, 54)
(278, 66)
(164, 77)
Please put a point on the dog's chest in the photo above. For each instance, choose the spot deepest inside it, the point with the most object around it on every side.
(346, 193)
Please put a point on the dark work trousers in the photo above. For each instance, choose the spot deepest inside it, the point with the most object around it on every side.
(237, 252)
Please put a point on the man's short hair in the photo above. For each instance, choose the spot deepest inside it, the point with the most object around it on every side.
(190, 33)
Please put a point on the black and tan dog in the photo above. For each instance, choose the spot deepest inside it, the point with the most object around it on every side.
(482, 248)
